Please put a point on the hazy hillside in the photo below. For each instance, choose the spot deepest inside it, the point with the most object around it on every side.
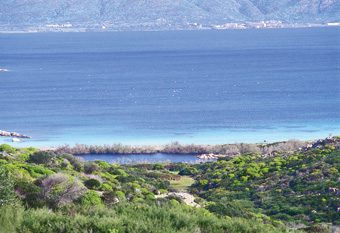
(163, 13)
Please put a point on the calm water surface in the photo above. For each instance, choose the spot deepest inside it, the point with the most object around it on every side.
(142, 158)
(201, 87)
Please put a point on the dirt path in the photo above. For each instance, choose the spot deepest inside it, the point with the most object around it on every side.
(186, 197)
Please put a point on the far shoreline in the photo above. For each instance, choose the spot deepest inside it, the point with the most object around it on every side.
(35, 29)
(247, 139)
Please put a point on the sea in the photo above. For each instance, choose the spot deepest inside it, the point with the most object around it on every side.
(154, 88)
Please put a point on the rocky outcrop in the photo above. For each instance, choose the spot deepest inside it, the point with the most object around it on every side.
(321, 142)
(334, 141)
(13, 134)
(210, 156)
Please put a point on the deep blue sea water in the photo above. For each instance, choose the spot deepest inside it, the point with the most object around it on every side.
(202, 87)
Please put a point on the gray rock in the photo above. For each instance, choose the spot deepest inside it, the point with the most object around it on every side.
(12, 134)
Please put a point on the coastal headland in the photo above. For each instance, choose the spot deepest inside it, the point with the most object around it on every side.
(12, 134)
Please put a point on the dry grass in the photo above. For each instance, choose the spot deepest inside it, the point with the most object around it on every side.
(182, 184)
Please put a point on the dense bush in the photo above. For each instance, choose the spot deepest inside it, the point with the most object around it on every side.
(92, 184)
(128, 218)
(61, 189)
(248, 193)
(189, 171)
(91, 167)
(41, 157)
(120, 195)
(36, 170)
(76, 162)
(91, 198)
(7, 148)
(7, 193)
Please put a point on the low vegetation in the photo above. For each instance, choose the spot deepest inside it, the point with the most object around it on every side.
(176, 148)
(289, 190)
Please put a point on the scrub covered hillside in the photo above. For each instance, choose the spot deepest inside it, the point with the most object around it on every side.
(47, 192)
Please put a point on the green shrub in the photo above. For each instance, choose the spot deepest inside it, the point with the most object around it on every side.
(92, 184)
(120, 195)
(11, 218)
(3, 161)
(7, 193)
(102, 164)
(162, 191)
(150, 196)
(137, 199)
(36, 170)
(91, 167)
(41, 157)
(7, 148)
(106, 187)
(136, 186)
(75, 161)
(228, 209)
(23, 157)
(158, 167)
(91, 198)
(175, 203)
(199, 200)
(119, 172)
(144, 191)
(203, 182)
(189, 171)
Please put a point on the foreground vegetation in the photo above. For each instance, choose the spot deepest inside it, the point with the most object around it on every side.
(253, 192)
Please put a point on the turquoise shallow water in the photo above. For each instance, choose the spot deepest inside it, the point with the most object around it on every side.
(202, 87)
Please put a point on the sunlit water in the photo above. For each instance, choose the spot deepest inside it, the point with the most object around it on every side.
(144, 158)
(202, 87)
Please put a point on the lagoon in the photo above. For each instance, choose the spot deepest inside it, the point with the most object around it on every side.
(143, 158)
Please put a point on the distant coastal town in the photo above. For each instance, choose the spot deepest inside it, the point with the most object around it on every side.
(159, 25)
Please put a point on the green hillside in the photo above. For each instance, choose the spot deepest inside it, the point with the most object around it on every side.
(283, 191)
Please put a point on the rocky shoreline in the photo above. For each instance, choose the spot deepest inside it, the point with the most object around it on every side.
(12, 134)
(210, 156)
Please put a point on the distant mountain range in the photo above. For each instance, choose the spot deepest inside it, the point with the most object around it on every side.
(164, 13)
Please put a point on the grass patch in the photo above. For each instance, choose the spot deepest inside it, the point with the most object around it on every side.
(182, 184)
(174, 172)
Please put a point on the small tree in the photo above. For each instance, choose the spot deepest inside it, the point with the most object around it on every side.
(91, 167)
(92, 184)
(61, 189)
(7, 193)
(41, 157)
(75, 161)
